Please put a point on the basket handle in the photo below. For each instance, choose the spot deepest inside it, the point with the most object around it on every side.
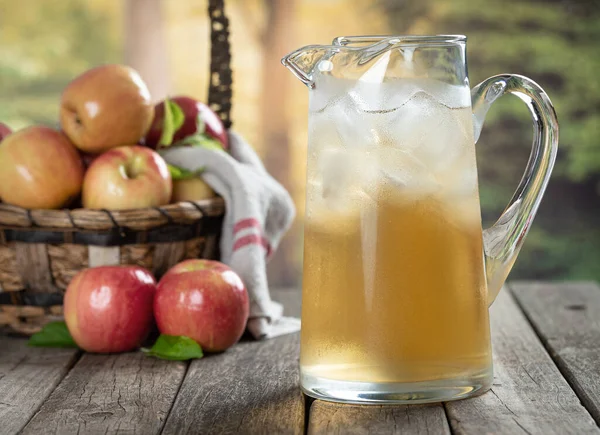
(219, 91)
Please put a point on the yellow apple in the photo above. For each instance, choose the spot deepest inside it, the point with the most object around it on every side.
(106, 107)
(191, 189)
(125, 178)
(39, 168)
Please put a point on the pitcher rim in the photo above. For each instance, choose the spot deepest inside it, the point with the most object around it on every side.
(366, 44)
(402, 40)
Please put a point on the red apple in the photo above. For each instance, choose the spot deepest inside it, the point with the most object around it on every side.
(5, 130)
(204, 300)
(196, 115)
(106, 107)
(191, 189)
(125, 178)
(109, 308)
(39, 168)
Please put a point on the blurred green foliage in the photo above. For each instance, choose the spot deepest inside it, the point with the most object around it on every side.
(42, 47)
(554, 42)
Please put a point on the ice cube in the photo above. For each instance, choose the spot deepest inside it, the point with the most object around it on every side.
(417, 116)
(434, 133)
(343, 174)
(354, 128)
(405, 172)
(365, 121)
(460, 180)
(323, 132)
(326, 92)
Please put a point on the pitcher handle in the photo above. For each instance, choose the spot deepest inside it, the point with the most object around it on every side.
(504, 239)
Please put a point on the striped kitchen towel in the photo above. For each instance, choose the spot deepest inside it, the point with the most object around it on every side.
(258, 213)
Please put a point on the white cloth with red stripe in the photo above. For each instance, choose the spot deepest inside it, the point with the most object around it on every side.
(258, 213)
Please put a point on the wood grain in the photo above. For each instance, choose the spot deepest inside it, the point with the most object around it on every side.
(167, 255)
(126, 393)
(251, 388)
(529, 394)
(567, 318)
(335, 418)
(210, 247)
(33, 266)
(27, 376)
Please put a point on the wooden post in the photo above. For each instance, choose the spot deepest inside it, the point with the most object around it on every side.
(277, 42)
(145, 44)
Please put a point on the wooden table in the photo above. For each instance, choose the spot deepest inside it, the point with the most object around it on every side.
(546, 340)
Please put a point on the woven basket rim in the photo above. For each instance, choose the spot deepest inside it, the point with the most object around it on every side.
(12, 216)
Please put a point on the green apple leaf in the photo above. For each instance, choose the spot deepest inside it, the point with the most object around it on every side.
(54, 334)
(173, 120)
(203, 141)
(175, 348)
(178, 115)
(178, 173)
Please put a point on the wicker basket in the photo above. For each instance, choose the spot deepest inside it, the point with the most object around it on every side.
(41, 250)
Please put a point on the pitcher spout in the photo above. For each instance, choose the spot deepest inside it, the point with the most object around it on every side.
(302, 62)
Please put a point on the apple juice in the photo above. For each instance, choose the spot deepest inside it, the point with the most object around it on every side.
(394, 287)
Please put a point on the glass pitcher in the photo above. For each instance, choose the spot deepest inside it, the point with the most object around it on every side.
(398, 275)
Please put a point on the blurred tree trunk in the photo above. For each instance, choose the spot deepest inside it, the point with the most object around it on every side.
(278, 40)
(145, 44)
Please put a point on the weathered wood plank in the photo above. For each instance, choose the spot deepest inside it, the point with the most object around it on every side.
(335, 418)
(27, 376)
(166, 255)
(251, 388)
(210, 246)
(34, 267)
(529, 394)
(126, 393)
(567, 319)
